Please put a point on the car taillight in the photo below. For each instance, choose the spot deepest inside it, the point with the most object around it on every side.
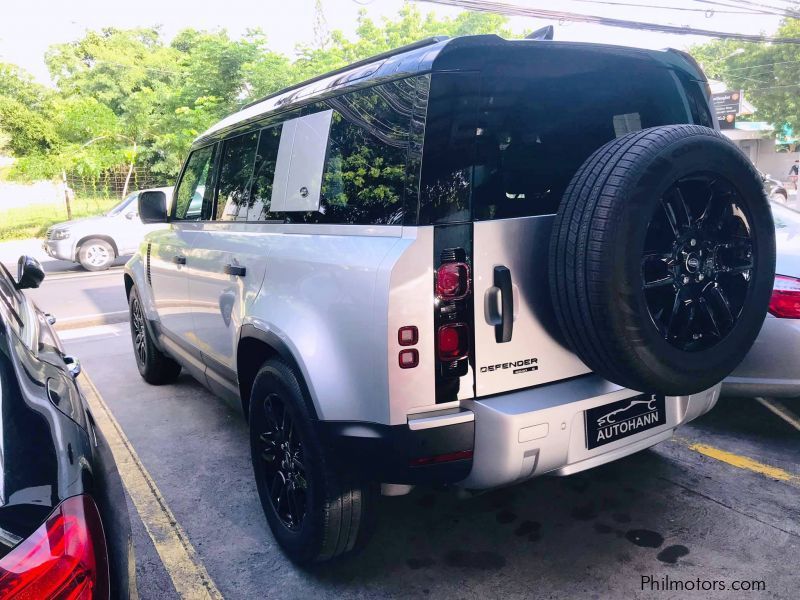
(453, 342)
(65, 559)
(785, 301)
(452, 316)
(452, 281)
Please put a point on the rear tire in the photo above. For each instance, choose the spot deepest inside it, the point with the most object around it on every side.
(314, 512)
(96, 255)
(155, 367)
(662, 259)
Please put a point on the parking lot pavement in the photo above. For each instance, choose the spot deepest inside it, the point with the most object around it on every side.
(718, 503)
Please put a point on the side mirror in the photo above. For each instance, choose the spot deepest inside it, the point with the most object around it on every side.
(29, 273)
(153, 207)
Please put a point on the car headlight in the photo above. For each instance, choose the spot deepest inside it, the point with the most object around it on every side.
(59, 234)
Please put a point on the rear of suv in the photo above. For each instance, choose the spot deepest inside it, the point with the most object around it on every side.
(469, 262)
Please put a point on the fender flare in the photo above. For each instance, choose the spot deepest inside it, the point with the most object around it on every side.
(282, 350)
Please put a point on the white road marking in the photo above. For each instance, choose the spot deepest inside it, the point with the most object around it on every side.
(780, 411)
(82, 332)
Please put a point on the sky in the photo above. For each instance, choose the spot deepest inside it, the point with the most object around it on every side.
(29, 27)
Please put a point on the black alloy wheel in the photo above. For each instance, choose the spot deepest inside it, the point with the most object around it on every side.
(698, 262)
(138, 331)
(282, 461)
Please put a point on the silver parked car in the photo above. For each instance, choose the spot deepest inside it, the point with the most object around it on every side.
(404, 274)
(95, 242)
(772, 367)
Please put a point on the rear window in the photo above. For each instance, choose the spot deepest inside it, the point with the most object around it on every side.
(532, 125)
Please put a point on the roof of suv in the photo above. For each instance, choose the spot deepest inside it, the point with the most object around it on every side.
(438, 53)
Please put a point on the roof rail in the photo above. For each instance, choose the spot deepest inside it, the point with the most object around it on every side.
(407, 48)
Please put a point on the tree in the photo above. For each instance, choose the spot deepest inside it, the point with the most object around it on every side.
(119, 89)
(767, 73)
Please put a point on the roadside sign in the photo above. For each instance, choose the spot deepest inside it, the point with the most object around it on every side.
(726, 106)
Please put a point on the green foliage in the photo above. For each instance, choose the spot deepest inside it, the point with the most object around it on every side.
(33, 221)
(766, 72)
(123, 89)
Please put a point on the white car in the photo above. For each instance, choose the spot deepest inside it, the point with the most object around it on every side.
(95, 242)
(772, 367)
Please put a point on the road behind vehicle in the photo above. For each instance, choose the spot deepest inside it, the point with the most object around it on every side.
(64, 528)
(467, 261)
(772, 366)
(95, 242)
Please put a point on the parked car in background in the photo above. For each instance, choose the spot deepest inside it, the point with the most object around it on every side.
(64, 528)
(95, 242)
(772, 366)
(775, 189)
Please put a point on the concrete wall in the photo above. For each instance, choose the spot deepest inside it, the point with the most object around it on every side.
(762, 152)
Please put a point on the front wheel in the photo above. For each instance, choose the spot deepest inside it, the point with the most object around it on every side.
(155, 367)
(96, 255)
(314, 512)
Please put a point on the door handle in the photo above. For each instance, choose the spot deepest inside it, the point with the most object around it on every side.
(179, 260)
(237, 270)
(505, 328)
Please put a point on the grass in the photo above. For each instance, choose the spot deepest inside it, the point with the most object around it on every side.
(32, 221)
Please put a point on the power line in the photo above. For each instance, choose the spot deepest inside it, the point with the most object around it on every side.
(709, 12)
(509, 9)
(784, 11)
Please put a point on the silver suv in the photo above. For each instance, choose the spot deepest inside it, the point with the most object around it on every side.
(468, 262)
(95, 242)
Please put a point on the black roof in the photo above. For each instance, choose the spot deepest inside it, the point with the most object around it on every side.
(431, 54)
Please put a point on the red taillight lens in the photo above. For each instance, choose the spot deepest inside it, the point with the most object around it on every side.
(785, 301)
(453, 341)
(452, 281)
(441, 458)
(64, 559)
(408, 335)
(408, 359)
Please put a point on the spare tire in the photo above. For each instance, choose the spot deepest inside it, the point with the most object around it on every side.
(662, 259)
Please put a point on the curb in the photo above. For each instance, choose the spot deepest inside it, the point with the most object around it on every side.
(92, 320)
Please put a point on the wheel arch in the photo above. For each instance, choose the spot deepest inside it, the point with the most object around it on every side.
(96, 236)
(128, 285)
(257, 346)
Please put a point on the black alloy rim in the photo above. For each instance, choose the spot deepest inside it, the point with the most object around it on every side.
(697, 265)
(137, 324)
(281, 457)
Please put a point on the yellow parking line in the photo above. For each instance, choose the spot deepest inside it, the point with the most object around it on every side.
(743, 462)
(780, 411)
(189, 576)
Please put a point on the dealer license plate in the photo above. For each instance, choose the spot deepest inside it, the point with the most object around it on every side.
(612, 422)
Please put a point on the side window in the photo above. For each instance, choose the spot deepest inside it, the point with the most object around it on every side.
(193, 198)
(264, 175)
(235, 172)
(365, 168)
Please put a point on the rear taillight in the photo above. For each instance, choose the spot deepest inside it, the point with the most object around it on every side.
(64, 559)
(785, 301)
(452, 288)
(452, 281)
(453, 342)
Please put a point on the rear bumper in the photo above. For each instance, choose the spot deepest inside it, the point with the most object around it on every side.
(772, 366)
(542, 430)
(391, 453)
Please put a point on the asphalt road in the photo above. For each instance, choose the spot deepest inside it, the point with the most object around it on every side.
(725, 510)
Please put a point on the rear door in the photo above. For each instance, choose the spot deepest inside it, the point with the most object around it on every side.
(535, 118)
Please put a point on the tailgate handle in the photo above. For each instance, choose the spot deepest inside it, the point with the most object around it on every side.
(502, 281)
(237, 270)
